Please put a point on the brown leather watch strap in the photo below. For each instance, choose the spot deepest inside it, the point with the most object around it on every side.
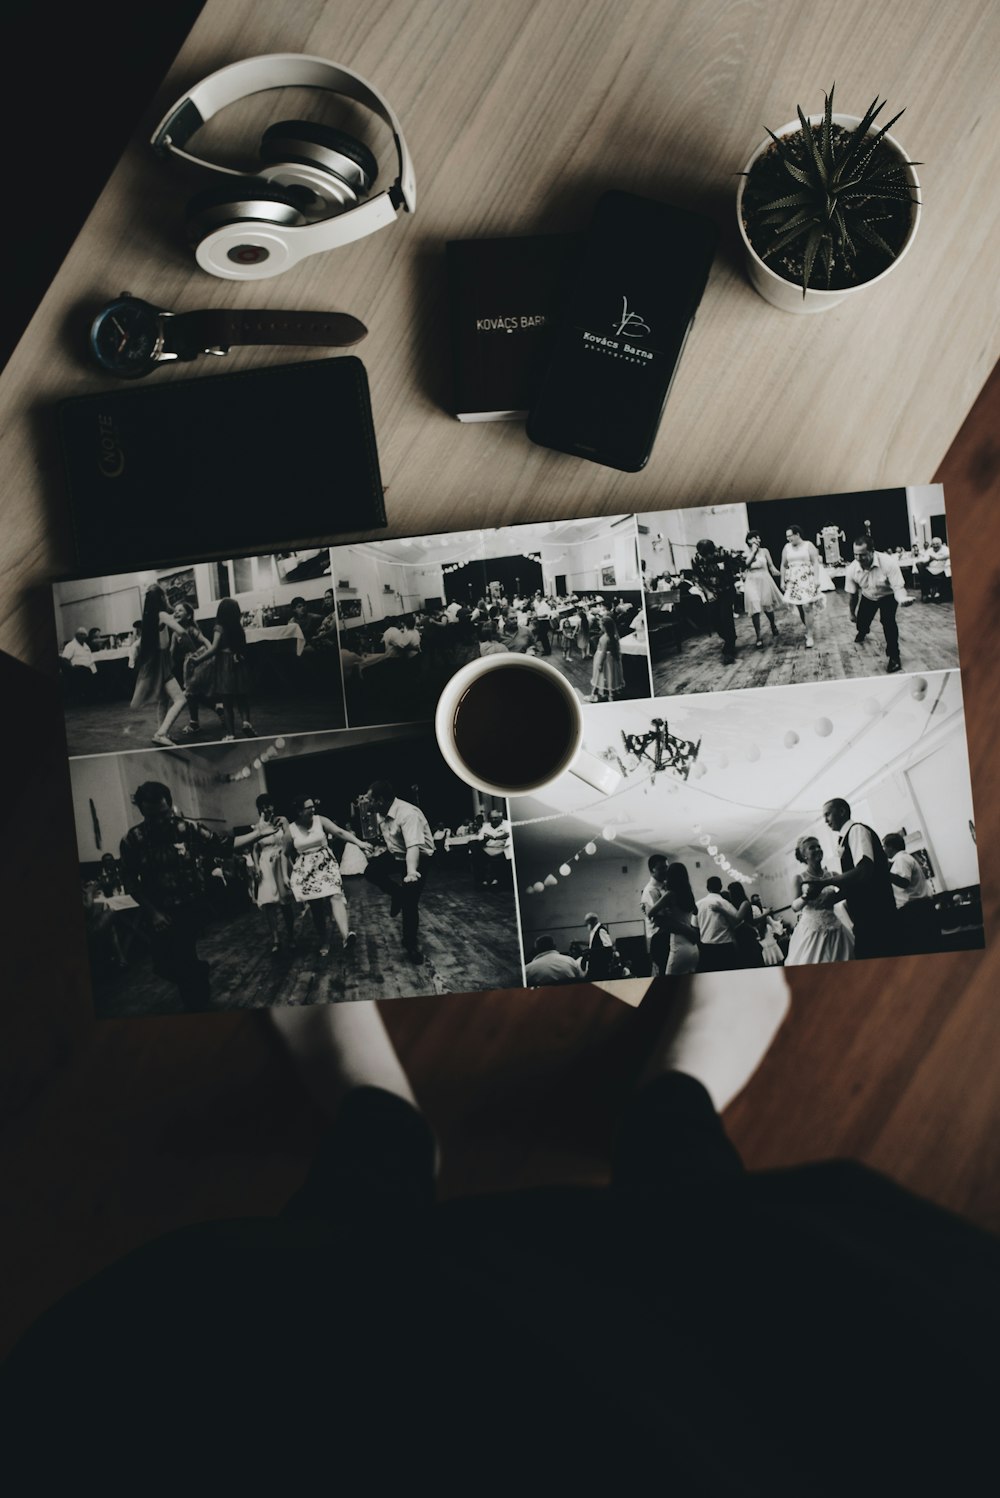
(190, 333)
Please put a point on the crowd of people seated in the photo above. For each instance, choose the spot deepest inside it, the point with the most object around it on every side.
(483, 842)
(582, 627)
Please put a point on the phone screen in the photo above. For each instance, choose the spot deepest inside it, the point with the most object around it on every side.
(625, 320)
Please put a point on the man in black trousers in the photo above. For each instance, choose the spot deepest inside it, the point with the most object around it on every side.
(865, 882)
(714, 572)
(874, 585)
(401, 871)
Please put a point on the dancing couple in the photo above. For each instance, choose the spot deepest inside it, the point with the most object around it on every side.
(176, 665)
(399, 870)
(863, 882)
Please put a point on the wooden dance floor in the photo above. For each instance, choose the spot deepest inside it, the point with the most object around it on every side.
(927, 642)
(468, 937)
(109, 728)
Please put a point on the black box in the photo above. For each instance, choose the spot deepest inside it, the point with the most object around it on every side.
(504, 295)
(228, 463)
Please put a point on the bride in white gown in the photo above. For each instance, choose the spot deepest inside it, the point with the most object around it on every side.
(820, 935)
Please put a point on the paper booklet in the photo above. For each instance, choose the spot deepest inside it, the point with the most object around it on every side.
(780, 708)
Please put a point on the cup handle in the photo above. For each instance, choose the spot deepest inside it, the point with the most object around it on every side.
(596, 772)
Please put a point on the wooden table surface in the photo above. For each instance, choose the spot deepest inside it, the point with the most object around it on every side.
(518, 116)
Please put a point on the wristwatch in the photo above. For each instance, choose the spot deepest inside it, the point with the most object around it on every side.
(130, 338)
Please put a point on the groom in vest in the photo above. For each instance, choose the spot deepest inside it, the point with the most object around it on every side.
(865, 883)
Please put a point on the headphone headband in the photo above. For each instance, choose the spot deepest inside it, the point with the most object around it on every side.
(255, 75)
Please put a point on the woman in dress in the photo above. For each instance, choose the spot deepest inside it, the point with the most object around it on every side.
(182, 646)
(820, 935)
(767, 934)
(271, 866)
(155, 680)
(568, 626)
(679, 914)
(608, 677)
(760, 595)
(315, 878)
(745, 935)
(583, 632)
(220, 671)
(800, 579)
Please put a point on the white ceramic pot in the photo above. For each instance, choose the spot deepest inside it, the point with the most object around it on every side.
(787, 295)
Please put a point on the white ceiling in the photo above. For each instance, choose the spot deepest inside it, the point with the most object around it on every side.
(752, 793)
(511, 540)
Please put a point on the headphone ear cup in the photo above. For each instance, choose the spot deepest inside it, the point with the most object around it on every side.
(307, 143)
(243, 200)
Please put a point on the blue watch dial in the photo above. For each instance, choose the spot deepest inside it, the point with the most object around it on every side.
(124, 337)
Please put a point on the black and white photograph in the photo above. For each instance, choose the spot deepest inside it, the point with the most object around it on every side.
(291, 871)
(575, 599)
(212, 652)
(785, 826)
(413, 611)
(824, 588)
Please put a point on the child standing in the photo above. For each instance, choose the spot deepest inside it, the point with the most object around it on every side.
(220, 673)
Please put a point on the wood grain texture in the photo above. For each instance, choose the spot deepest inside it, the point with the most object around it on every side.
(518, 116)
(115, 1133)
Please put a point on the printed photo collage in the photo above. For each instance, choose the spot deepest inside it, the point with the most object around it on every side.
(263, 816)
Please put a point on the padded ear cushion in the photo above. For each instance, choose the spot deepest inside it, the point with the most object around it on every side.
(247, 189)
(275, 136)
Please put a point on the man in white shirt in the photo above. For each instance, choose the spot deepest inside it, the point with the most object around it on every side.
(934, 571)
(79, 654)
(402, 640)
(916, 917)
(601, 948)
(874, 585)
(491, 847)
(401, 871)
(550, 966)
(717, 920)
(452, 611)
(543, 623)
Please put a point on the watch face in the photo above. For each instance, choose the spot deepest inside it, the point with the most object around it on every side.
(125, 336)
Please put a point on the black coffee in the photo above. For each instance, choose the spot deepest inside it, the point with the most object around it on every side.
(514, 726)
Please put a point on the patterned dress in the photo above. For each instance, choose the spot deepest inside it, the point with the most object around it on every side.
(802, 584)
(315, 872)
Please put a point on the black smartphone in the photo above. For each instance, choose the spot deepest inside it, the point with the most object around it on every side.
(624, 322)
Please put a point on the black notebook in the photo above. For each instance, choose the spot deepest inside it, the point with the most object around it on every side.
(504, 295)
(233, 462)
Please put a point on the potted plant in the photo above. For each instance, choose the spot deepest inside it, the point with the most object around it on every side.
(827, 206)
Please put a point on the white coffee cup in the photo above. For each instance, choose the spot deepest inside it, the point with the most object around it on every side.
(574, 758)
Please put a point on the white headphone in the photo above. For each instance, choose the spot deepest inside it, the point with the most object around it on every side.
(311, 193)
